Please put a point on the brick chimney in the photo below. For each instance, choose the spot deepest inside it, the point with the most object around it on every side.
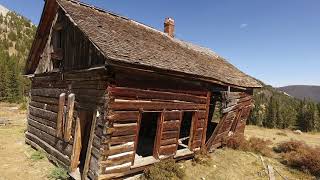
(169, 27)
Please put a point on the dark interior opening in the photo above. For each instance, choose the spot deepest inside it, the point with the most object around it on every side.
(215, 115)
(85, 123)
(147, 134)
(185, 128)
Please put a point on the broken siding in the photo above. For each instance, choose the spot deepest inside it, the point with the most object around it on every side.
(236, 109)
(122, 127)
(89, 88)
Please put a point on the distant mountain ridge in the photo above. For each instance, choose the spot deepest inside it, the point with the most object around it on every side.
(302, 91)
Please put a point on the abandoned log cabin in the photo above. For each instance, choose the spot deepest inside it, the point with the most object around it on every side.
(111, 96)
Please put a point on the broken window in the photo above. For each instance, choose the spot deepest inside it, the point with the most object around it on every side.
(215, 115)
(57, 45)
(185, 129)
(147, 134)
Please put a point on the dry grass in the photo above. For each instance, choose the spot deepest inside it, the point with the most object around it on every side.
(17, 159)
(163, 170)
(301, 156)
(229, 164)
(312, 139)
(254, 144)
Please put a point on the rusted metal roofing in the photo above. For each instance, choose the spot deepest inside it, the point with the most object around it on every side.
(123, 40)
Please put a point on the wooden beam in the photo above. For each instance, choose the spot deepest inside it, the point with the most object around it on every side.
(204, 133)
(69, 117)
(76, 146)
(60, 118)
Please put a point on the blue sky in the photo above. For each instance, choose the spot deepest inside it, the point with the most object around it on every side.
(275, 41)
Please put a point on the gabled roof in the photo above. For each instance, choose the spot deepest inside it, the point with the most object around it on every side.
(122, 40)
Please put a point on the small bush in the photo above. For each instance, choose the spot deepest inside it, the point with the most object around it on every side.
(58, 173)
(38, 155)
(164, 170)
(254, 144)
(281, 134)
(202, 158)
(301, 156)
(289, 146)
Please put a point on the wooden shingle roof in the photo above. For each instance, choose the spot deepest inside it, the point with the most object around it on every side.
(123, 40)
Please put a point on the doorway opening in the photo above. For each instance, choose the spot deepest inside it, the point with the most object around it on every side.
(185, 130)
(86, 118)
(215, 115)
(147, 134)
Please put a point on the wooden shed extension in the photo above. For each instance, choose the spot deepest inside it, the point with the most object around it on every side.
(111, 96)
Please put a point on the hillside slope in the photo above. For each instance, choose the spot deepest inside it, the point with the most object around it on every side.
(16, 36)
(302, 91)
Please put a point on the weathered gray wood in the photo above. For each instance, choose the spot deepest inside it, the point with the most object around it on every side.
(45, 114)
(49, 149)
(69, 117)
(60, 118)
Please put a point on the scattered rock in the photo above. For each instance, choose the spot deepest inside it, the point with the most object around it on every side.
(297, 132)
(4, 122)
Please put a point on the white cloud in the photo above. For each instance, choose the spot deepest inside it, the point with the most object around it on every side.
(243, 26)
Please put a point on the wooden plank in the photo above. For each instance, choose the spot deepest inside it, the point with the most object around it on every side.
(119, 116)
(88, 153)
(48, 148)
(45, 114)
(119, 159)
(61, 146)
(49, 107)
(47, 100)
(192, 130)
(47, 92)
(168, 149)
(124, 129)
(172, 115)
(201, 123)
(127, 147)
(171, 125)
(165, 142)
(150, 94)
(60, 118)
(42, 127)
(69, 117)
(122, 139)
(42, 121)
(271, 173)
(170, 134)
(159, 134)
(118, 169)
(76, 146)
(134, 105)
(137, 135)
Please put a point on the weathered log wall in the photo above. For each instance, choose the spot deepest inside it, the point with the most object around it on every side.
(126, 106)
(236, 109)
(89, 87)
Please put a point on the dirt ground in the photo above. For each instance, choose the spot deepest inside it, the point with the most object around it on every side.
(16, 160)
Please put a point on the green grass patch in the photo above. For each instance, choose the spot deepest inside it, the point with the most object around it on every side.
(38, 155)
(58, 173)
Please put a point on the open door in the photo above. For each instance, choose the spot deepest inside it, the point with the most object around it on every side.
(83, 132)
